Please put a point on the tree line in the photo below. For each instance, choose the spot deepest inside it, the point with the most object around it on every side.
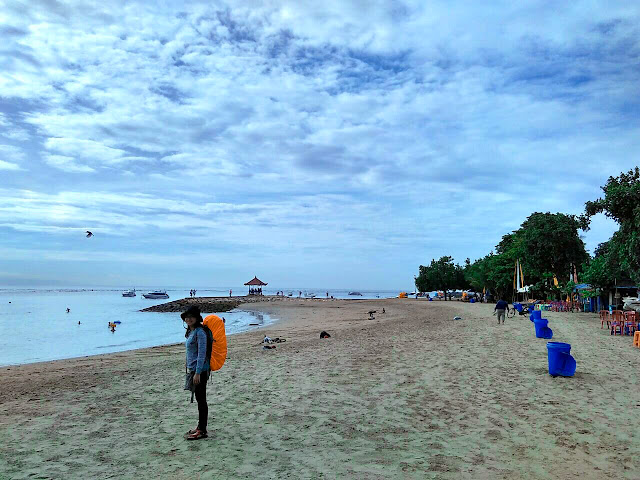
(550, 250)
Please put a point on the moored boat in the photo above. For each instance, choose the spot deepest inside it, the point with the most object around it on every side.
(156, 294)
(129, 293)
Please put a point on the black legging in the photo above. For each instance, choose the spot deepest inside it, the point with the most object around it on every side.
(203, 408)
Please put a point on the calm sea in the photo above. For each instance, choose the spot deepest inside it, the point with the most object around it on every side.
(35, 326)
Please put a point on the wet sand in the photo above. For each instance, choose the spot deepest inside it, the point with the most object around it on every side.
(410, 394)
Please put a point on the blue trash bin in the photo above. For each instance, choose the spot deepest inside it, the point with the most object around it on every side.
(535, 315)
(542, 329)
(473, 300)
(560, 360)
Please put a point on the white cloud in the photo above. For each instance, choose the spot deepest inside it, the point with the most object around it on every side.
(9, 166)
(67, 164)
(10, 157)
(371, 125)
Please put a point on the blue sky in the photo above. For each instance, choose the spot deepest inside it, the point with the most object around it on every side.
(329, 144)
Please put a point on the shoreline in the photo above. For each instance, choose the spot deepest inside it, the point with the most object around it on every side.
(409, 394)
(245, 306)
(249, 328)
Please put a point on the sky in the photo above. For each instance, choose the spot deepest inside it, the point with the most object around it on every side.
(337, 144)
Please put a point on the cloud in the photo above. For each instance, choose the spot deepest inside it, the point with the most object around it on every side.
(9, 166)
(353, 127)
(10, 157)
(67, 164)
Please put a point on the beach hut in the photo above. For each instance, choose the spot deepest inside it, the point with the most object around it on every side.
(257, 283)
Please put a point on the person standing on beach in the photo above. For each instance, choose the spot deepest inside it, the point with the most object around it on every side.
(198, 366)
(499, 310)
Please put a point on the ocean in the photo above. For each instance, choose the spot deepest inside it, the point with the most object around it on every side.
(35, 325)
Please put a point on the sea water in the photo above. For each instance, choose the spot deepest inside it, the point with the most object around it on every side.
(35, 325)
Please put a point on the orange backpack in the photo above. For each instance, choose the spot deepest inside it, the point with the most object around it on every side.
(219, 346)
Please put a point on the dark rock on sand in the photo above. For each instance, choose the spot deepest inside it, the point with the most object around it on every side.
(206, 305)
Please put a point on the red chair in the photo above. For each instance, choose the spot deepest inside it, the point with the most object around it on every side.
(616, 327)
(630, 322)
(617, 315)
(604, 317)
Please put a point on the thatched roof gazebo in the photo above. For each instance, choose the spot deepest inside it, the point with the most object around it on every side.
(255, 282)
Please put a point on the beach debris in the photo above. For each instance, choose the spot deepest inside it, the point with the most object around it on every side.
(324, 334)
(273, 340)
(457, 318)
(89, 234)
(268, 347)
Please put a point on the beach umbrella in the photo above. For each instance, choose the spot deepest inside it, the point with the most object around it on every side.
(219, 347)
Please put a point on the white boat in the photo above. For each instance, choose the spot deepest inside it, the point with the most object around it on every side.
(156, 294)
(129, 293)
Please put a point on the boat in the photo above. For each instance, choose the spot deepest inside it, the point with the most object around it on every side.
(156, 294)
(129, 293)
(355, 293)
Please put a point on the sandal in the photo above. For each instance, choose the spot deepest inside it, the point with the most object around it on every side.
(191, 432)
(197, 435)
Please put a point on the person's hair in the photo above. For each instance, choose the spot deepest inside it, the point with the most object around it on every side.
(193, 312)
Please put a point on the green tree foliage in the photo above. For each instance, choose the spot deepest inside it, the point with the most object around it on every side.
(546, 244)
(549, 243)
(621, 202)
(441, 274)
(494, 272)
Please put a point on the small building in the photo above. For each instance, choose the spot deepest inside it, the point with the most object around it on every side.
(255, 286)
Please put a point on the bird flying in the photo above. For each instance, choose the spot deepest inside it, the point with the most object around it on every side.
(89, 234)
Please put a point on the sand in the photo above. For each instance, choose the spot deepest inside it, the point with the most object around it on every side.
(411, 394)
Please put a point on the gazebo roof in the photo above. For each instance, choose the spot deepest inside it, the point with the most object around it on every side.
(255, 282)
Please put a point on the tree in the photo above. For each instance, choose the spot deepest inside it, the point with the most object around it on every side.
(441, 274)
(549, 243)
(494, 272)
(546, 244)
(621, 202)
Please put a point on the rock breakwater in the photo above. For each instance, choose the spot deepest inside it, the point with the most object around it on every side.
(206, 305)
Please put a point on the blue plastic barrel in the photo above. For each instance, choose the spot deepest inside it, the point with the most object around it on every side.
(535, 315)
(473, 300)
(560, 360)
(542, 329)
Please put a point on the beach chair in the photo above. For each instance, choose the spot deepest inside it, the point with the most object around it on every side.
(604, 317)
(630, 324)
(617, 315)
(616, 327)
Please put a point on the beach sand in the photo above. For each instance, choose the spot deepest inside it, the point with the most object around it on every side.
(411, 394)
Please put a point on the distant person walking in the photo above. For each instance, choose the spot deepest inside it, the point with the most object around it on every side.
(230, 292)
(197, 366)
(499, 310)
